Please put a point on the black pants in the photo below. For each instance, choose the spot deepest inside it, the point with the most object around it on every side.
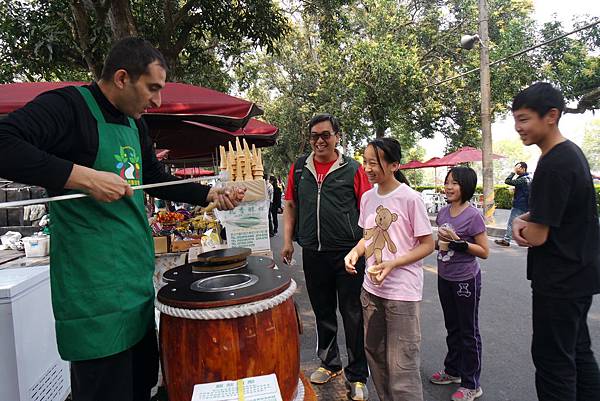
(126, 376)
(275, 223)
(328, 284)
(460, 304)
(566, 369)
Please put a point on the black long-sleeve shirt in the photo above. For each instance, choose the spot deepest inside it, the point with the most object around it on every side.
(40, 142)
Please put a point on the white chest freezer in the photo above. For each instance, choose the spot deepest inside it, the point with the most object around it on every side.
(30, 367)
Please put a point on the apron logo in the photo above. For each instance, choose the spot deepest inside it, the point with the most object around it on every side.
(128, 165)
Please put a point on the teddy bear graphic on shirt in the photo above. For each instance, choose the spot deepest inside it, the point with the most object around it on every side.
(379, 235)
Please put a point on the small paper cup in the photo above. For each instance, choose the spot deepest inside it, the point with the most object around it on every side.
(372, 273)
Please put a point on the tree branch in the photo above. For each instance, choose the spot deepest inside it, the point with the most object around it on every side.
(183, 15)
(589, 101)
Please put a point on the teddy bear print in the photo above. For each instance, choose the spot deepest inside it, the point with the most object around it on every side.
(378, 235)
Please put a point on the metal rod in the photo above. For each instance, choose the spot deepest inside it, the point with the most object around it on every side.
(28, 202)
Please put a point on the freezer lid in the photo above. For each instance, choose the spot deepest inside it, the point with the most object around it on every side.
(14, 281)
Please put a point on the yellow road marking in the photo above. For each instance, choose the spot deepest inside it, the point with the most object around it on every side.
(430, 269)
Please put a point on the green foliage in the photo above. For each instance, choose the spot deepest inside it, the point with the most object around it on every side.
(375, 65)
(201, 39)
(591, 144)
(503, 197)
(514, 152)
(569, 62)
(37, 42)
(415, 176)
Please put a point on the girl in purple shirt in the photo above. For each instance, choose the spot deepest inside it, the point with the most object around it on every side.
(462, 238)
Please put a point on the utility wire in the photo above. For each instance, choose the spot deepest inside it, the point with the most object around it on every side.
(515, 54)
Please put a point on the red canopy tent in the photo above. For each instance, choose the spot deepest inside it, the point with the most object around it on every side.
(191, 121)
(178, 100)
(194, 140)
(193, 172)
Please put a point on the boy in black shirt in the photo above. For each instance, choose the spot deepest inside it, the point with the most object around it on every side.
(563, 262)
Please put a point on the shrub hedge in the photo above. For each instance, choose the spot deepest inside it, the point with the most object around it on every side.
(503, 195)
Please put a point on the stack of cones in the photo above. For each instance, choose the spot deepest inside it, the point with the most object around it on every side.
(241, 163)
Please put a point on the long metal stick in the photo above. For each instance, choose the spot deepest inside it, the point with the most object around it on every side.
(28, 202)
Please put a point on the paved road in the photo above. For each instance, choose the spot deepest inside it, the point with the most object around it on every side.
(505, 323)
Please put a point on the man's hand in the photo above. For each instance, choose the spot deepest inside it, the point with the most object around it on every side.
(109, 187)
(350, 261)
(518, 225)
(226, 198)
(286, 253)
(100, 185)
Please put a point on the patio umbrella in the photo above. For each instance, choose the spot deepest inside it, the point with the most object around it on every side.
(411, 165)
(433, 162)
(465, 154)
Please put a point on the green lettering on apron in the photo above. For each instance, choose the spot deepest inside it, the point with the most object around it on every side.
(102, 256)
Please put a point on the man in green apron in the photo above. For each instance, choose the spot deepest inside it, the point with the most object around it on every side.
(91, 139)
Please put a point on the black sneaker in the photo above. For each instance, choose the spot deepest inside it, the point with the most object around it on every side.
(502, 242)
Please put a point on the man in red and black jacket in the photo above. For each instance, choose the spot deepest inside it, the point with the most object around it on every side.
(322, 208)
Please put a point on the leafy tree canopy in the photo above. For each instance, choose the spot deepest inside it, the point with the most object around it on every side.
(68, 39)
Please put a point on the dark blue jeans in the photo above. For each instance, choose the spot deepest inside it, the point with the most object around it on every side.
(566, 369)
(514, 213)
(460, 304)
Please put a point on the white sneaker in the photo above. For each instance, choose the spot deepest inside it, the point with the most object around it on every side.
(466, 394)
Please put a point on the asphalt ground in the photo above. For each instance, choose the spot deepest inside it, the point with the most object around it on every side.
(505, 325)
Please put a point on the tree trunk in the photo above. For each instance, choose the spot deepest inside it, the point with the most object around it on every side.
(83, 37)
(121, 20)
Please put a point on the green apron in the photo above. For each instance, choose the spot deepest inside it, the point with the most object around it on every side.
(102, 256)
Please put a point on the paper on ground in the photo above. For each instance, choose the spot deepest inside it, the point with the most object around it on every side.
(258, 388)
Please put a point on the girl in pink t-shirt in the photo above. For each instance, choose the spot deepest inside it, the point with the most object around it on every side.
(396, 237)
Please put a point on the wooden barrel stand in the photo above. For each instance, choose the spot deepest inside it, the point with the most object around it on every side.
(226, 340)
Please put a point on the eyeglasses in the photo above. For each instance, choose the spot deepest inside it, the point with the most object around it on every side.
(325, 135)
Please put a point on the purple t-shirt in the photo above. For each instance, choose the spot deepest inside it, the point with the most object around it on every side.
(453, 265)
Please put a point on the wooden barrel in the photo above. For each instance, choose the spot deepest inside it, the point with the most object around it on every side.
(242, 331)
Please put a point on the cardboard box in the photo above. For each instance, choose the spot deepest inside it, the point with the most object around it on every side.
(184, 245)
(161, 245)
